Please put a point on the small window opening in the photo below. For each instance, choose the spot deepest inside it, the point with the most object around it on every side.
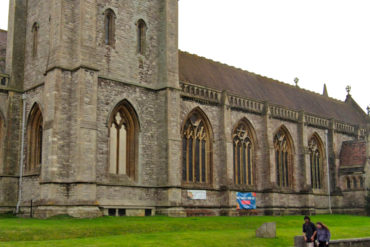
(148, 212)
(112, 212)
(35, 37)
(109, 27)
(141, 40)
(121, 212)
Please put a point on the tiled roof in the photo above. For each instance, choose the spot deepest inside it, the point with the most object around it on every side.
(204, 72)
(353, 153)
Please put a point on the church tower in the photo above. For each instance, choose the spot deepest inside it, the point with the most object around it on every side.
(77, 63)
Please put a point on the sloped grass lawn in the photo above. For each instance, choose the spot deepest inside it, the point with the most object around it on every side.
(164, 231)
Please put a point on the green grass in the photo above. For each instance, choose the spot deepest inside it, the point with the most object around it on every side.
(164, 231)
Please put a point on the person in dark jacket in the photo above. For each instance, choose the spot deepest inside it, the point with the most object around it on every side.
(323, 234)
(309, 232)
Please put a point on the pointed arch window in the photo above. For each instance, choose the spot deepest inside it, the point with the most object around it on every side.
(123, 140)
(348, 183)
(141, 36)
(35, 134)
(283, 158)
(35, 38)
(196, 149)
(361, 182)
(243, 154)
(109, 27)
(316, 162)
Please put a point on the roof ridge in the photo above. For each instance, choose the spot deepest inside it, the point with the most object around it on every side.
(259, 75)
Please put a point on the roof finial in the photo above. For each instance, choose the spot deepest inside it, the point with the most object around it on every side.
(296, 80)
(348, 89)
(368, 110)
(325, 91)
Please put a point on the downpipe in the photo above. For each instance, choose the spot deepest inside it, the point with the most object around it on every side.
(21, 160)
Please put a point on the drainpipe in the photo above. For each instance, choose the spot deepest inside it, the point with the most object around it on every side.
(21, 160)
(328, 171)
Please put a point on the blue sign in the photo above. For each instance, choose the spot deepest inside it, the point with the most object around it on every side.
(246, 201)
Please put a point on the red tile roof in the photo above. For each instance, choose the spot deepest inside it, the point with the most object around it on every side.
(353, 153)
(204, 72)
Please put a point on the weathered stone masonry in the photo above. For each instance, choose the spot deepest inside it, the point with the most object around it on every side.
(77, 78)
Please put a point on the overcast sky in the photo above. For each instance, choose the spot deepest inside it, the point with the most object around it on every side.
(318, 41)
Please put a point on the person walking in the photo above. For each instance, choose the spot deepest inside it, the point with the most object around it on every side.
(323, 234)
(309, 232)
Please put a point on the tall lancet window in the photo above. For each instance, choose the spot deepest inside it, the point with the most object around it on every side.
(243, 150)
(35, 38)
(316, 162)
(283, 158)
(123, 140)
(354, 182)
(109, 27)
(348, 180)
(141, 36)
(34, 135)
(196, 149)
(361, 182)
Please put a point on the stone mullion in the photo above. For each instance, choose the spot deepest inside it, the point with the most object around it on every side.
(193, 179)
(314, 171)
(118, 148)
(245, 164)
(200, 161)
(250, 165)
(187, 160)
(241, 170)
(311, 169)
(320, 173)
(207, 160)
(319, 170)
(277, 167)
(234, 163)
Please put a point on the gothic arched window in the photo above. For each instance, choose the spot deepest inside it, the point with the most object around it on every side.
(354, 182)
(196, 148)
(316, 161)
(123, 140)
(283, 157)
(34, 133)
(243, 154)
(109, 27)
(348, 183)
(141, 36)
(35, 38)
(361, 182)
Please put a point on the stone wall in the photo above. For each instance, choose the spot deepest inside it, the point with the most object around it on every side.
(35, 66)
(355, 242)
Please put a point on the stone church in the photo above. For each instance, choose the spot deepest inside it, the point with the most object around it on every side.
(101, 114)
